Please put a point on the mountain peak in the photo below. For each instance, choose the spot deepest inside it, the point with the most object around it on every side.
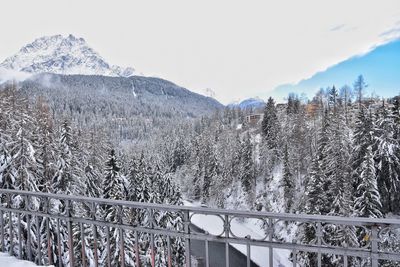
(62, 55)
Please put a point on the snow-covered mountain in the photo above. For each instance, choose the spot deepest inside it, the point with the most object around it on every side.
(62, 55)
(249, 103)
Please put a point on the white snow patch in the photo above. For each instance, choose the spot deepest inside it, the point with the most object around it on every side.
(239, 126)
(133, 91)
(10, 261)
(241, 228)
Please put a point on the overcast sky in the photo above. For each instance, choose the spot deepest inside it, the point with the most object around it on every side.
(237, 48)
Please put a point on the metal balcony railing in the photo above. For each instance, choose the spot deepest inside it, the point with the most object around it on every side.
(34, 226)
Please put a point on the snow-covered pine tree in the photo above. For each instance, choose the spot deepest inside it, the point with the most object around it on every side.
(338, 154)
(91, 158)
(211, 171)
(197, 169)
(170, 194)
(315, 200)
(287, 182)
(271, 130)
(65, 173)
(18, 160)
(45, 152)
(362, 139)
(368, 202)
(387, 151)
(113, 188)
(337, 171)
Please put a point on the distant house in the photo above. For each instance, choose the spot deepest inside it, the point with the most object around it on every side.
(254, 118)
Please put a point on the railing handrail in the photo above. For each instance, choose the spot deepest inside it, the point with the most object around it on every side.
(357, 221)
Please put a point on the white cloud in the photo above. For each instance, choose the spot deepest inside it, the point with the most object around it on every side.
(237, 48)
(9, 75)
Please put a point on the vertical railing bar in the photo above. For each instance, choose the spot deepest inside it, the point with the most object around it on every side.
(94, 229)
(29, 241)
(374, 246)
(122, 250)
(70, 234)
(152, 252)
(39, 242)
(294, 257)
(95, 253)
(153, 258)
(137, 259)
(169, 251)
(83, 244)
(3, 246)
(19, 236)
(207, 254)
(227, 224)
(28, 232)
(121, 233)
(108, 246)
(186, 221)
(11, 233)
(270, 238)
(319, 242)
(59, 243)
(248, 254)
(48, 235)
(345, 261)
(49, 242)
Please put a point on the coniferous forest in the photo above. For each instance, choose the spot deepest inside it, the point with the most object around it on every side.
(337, 153)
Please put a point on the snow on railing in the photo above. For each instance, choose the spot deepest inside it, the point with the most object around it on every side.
(64, 230)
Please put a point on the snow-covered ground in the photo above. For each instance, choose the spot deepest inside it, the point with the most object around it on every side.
(9, 261)
(252, 227)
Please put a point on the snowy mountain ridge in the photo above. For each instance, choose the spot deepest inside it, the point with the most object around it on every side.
(62, 55)
(248, 103)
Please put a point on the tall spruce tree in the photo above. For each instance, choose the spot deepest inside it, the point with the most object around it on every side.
(287, 182)
(270, 126)
(114, 188)
(368, 202)
(387, 159)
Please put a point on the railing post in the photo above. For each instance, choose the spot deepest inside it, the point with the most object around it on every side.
(137, 254)
(248, 252)
(319, 242)
(83, 244)
(270, 238)
(10, 225)
(374, 246)
(226, 227)
(169, 251)
(39, 241)
(121, 235)
(3, 246)
(70, 234)
(19, 231)
(152, 248)
(108, 246)
(186, 221)
(48, 236)
(94, 229)
(59, 256)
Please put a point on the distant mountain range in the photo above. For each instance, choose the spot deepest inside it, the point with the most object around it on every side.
(56, 66)
(380, 68)
(249, 103)
(62, 55)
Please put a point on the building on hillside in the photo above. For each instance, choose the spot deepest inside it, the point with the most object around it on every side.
(254, 118)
